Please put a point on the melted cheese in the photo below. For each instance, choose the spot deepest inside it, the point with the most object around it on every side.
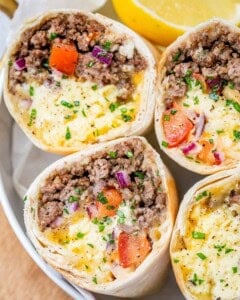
(87, 252)
(88, 116)
(218, 275)
(222, 120)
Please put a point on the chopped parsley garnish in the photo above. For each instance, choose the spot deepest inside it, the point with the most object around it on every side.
(214, 96)
(94, 87)
(173, 111)
(90, 64)
(66, 211)
(202, 195)
(122, 217)
(114, 106)
(164, 144)
(66, 104)
(68, 134)
(196, 280)
(211, 141)
(25, 198)
(234, 269)
(125, 116)
(234, 104)
(186, 104)
(80, 235)
(76, 103)
(78, 191)
(177, 55)
(139, 174)
(101, 198)
(58, 83)
(196, 100)
(101, 227)
(110, 207)
(107, 45)
(198, 235)
(201, 255)
(95, 279)
(67, 117)
(90, 245)
(104, 259)
(236, 135)
(10, 63)
(33, 116)
(73, 199)
(64, 76)
(46, 64)
(84, 113)
(166, 118)
(129, 154)
(231, 85)
(176, 260)
(219, 247)
(31, 90)
(112, 154)
(53, 35)
(220, 131)
(228, 250)
(188, 79)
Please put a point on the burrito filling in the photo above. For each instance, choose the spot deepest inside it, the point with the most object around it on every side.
(206, 252)
(72, 73)
(105, 211)
(202, 97)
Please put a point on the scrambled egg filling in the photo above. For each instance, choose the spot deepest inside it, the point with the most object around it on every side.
(72, 112)
(207, 254)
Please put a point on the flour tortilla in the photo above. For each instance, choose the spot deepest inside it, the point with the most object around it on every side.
(175, 153)
(144, 119)
(149, 276)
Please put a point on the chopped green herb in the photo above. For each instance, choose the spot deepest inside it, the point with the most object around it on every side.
(139, 174)
(68, 134)
(228, 250)
(31, 90)
(10, 63)
(222, 280)
(231, 85)
(112, 154)
(110, 207)
(201, 195)
(66, 104)
(32, 209)
(188, 79)
(53, 35)
(104, 259)
(64, 76)
(80, 235)
(90, 64)
(176, 260)
(101, 227)
(107, 45)
(78, 191)
(58, 83)
(106, 99)
(73, 199)
(196, 100)
(25, 198)
(33, 116)
(166, 118)
(196, 280)
(220, 131)
(95, 221)
(126, 118)
(46, 64)
(214, 96)
(173, 111)
(76, 103)
(90, 245)
(201, 255)
(94, 87)
(198, 235)
(234, 104)
(236, 135)
(101, 198)
(114, 106)
(84, 113)
(164, 144)
(211, 141)
(234, 269)
(186, 104)
(219, 247)
(87, 267)
(177, 55)
(95, 279)
(129, 154)
(66, 211)
(67, 117)
(122, 217)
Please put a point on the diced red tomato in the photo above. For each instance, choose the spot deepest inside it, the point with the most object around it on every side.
(64, 57)
(132, 249)
(176, 126)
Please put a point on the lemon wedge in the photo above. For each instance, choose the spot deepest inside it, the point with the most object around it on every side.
(162, 21)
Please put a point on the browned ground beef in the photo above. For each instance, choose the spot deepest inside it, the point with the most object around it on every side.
(144, 192)
(214, 52)
(76, 28)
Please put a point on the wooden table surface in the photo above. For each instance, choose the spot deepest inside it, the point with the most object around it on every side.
(20, 277)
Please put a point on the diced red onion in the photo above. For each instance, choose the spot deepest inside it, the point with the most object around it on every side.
(92, 210)
(200, 124)
(191, 114)
(188, 148)
(57, 222)
(123, 178)
(25, 103)
(219, 157)
(102, 55)
(72, 207)
(98, 187)
(20, 64)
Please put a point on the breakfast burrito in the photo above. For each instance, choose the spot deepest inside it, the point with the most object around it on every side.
(205, 243)
(74, 78)
(197, 115)
(103, 217)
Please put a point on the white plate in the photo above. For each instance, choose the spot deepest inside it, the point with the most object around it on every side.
(13, 205)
